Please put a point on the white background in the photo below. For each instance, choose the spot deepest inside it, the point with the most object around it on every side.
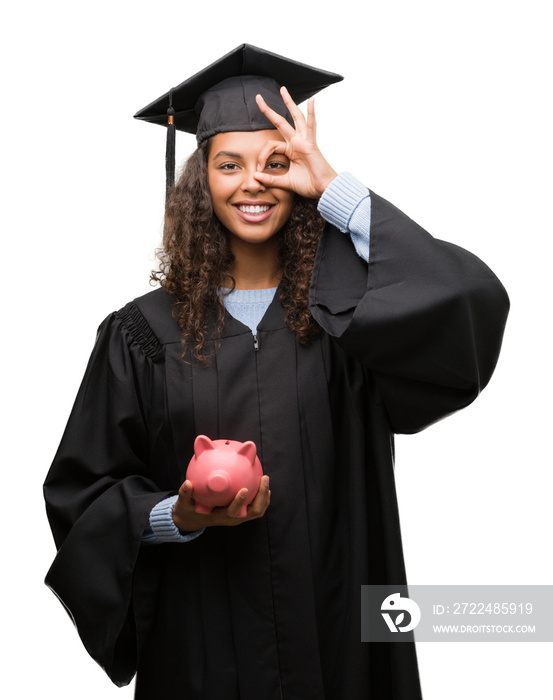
(445, 111)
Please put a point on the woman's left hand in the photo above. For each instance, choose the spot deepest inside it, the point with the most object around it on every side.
(309, 173)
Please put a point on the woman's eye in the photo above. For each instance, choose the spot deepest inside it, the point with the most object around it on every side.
(276, 165)
(229, 166)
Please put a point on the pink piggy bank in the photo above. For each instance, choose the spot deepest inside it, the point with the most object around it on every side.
(219, 469)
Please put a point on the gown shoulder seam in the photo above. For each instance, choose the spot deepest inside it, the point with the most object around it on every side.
(136, 324)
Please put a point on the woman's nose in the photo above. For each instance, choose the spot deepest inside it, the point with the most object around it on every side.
(249, 183)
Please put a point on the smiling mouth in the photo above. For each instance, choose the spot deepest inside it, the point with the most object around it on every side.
(253, 209)
(254, 213)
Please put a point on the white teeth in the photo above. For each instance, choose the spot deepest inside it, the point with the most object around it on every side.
(257, 209)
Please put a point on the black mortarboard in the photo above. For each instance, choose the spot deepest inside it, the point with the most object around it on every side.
(221, 97)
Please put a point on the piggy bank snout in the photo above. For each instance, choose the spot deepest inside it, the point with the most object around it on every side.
(218, 481)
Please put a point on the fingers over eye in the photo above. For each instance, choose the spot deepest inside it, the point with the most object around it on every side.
(295, 111)
(311, 120)
(280, 122)
(268, 150)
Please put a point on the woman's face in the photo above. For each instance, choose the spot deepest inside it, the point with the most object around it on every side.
(247, 209)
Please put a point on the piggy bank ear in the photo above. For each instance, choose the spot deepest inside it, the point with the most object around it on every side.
(249, 450)
(201, 444)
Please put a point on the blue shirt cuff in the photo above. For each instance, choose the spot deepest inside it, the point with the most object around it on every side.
(346, 203)
(162, 527)
(341, 199)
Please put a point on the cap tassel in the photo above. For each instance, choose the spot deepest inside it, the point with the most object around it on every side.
(170, 151)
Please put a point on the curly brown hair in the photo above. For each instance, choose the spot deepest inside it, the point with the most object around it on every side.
(195, 261)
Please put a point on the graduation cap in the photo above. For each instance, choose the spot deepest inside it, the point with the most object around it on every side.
(221, 97)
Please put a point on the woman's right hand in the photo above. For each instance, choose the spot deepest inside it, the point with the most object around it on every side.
(187, 520)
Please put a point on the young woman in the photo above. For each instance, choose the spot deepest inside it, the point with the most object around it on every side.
(317, 341)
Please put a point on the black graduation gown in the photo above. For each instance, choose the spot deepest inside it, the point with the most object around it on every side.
(271, 608)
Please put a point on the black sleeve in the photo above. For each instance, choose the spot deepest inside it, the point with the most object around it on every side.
(99, 494)
(425, 316)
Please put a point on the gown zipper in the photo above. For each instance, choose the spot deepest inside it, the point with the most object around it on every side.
(255, 343)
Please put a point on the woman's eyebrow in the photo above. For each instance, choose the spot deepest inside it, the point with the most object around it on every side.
(229, 154)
